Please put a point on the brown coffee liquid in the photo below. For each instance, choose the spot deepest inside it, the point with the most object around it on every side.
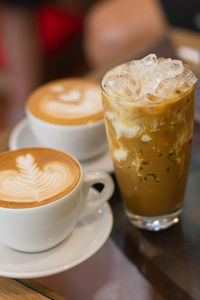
(71, 101)
(152, 166)
(36, 176)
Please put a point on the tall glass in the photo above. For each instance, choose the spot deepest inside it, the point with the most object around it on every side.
(150, 144)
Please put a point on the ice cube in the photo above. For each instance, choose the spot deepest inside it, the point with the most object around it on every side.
(121, 85)
(149, 60)
(176, 67)
(166, 88)
(189, 77)
(171, 68)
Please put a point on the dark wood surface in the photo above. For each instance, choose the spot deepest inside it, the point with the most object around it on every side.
(11, 289)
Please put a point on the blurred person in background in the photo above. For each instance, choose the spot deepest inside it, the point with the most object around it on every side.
(116, 28)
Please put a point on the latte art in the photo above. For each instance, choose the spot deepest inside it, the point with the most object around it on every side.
(32, 184)
(67, 101)
(73, 104)
(72, 96)
(30, 181)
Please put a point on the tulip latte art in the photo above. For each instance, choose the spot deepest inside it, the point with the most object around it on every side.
(67, 102)
(33, 177)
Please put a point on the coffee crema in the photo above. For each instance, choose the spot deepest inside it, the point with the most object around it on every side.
(72, 101)
(36, 176)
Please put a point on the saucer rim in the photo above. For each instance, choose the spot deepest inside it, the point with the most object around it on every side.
(56, 270)
(12, 145)
(15, 132)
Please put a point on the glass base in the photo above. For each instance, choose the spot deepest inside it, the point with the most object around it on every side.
(154, 223)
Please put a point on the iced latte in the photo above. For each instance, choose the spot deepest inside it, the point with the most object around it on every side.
(148, 108)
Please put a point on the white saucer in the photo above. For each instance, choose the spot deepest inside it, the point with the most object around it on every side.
(22, 137)
(88, 236)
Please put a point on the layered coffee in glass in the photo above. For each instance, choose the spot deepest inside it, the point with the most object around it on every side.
(148, 108)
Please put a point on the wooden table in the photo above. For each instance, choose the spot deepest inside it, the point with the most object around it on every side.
(25, 290)
(133, 264)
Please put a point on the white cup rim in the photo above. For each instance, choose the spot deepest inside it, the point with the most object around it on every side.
(60, 126)
(53, 203)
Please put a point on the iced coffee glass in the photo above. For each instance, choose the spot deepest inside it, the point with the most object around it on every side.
(148, 108)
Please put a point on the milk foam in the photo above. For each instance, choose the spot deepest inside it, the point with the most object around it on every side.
(72, 96)
(57, 88)
(73, 103)
(31, 183)
(137, 81)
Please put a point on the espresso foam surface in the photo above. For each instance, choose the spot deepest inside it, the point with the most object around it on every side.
(36, 176)
(149, 80)
(67, 101)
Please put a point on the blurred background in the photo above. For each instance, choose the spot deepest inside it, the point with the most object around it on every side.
(46, 40)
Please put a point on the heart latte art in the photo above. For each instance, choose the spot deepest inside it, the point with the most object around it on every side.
(36, 177)
(67, 101)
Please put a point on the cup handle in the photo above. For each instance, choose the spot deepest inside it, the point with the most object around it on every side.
(90, 178)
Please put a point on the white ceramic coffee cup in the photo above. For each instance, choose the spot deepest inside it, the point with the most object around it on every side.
(83, 141)
(43, 227)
